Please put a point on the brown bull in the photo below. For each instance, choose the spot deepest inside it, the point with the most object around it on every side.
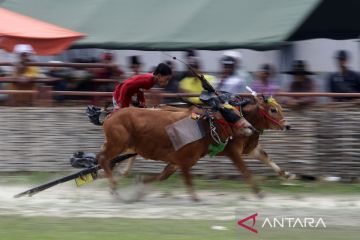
(262, 115)
(143, 130)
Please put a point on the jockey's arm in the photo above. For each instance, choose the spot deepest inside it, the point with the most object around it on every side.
(141, 98)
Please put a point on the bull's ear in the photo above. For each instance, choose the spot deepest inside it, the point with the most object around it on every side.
(264, 98)
(259, 100)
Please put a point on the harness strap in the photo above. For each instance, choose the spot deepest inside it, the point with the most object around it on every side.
(264, 114)
(225, 127)
(214, 149)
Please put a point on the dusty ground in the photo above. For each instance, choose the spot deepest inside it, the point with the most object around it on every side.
(93, 201)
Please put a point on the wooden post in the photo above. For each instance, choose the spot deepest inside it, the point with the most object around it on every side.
(44, 97)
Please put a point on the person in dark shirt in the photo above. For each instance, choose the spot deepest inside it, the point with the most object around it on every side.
(345, 80)
(301, 83)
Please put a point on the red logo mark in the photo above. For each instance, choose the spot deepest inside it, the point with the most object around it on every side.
(242, 221)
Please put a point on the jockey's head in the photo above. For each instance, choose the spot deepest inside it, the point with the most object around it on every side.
(162, 74)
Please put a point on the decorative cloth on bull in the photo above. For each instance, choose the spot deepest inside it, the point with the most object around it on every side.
(184, 131)
(219, 145)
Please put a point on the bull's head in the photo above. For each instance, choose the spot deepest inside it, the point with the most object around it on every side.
(272, 113)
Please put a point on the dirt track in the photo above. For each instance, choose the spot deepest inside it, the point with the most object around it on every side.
(92, 201)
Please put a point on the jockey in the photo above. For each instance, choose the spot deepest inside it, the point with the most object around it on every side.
(135, 85)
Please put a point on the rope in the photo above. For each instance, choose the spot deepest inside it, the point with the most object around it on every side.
(264, 114)
(215, 136)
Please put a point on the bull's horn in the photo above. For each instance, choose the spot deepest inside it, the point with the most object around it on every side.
(252, 91)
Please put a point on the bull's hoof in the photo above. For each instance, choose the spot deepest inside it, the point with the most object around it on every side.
(139, 180)
(260, 195)
(287, 175)
(114, 192)
(124, 173)
(290, 176)
(194, 198)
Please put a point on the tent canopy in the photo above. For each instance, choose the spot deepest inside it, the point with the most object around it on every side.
(331, 19)
(200, 24)
(45, 38)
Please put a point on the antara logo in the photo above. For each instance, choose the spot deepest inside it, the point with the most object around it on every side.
(242, 221)
(284, 222)
(292, 222)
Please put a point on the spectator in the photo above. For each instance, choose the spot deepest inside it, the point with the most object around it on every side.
(301, 83)
(135, 65)
(3, 97)
(64, 77)
(25, 75)
(192, 84)
(345, 80)
(111, 72)
(81, 78)
(229, 80)
(263, 83)
(175, 79)
(240, 71)
(190, 56)
(173, 85)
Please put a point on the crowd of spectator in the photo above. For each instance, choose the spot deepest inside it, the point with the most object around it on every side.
(232, 77)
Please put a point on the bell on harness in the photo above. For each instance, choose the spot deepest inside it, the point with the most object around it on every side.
(93, 113)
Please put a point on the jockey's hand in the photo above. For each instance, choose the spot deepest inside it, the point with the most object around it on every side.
(142, 105)
(138, 104)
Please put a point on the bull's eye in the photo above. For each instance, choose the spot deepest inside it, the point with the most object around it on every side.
(273, 110)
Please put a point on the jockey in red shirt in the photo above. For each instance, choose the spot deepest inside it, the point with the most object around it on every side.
(135, 85)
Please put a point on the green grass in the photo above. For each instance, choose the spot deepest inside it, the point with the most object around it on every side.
(51, 228)
(274, 185)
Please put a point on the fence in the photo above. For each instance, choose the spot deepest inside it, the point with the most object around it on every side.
(44, 95)
(325, 141)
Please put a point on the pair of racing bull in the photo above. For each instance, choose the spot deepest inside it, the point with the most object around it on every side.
(239, 124)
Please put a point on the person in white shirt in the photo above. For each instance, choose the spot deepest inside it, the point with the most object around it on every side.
(239, 68)
(229, 80)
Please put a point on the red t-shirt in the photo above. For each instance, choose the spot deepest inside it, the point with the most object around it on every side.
(131, 86)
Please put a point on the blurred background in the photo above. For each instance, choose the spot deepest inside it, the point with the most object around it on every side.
(57, 57)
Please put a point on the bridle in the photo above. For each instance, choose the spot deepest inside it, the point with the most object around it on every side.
(264, 114)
